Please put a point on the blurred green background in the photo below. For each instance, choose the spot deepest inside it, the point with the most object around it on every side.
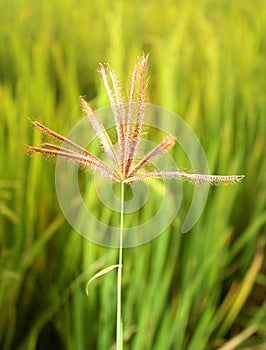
(191, 292)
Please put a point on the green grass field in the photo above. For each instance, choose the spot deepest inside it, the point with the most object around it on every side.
(198, 291)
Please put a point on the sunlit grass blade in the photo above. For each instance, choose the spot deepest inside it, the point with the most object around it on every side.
(244, 289)
(239, 339)
(99, 274)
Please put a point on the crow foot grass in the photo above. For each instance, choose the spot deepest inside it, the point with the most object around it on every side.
(125, 167)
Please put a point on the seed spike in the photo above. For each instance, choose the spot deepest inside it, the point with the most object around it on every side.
(193, 178)
(51, 146)
(59, 137)
(91, 163)
(120, 127)
(101, 132)
(135, 137)
(114, 98)
(76, 150)
(164, 146)
(129, 118)
(131, 101)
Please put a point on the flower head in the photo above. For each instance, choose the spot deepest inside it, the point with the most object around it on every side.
(128, 119)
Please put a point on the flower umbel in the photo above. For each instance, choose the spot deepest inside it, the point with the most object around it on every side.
(125, 167)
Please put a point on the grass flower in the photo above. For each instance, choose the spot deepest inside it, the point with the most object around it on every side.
(124, 165)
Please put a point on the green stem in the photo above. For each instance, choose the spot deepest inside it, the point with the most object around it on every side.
(119, 327)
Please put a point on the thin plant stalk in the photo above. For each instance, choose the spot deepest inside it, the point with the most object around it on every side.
(119, 324)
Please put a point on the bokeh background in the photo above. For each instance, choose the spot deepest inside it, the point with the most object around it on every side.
(202, 290)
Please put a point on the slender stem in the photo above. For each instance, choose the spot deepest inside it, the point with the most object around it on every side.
(119, 327)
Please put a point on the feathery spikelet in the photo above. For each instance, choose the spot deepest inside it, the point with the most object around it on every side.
(129, 129)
